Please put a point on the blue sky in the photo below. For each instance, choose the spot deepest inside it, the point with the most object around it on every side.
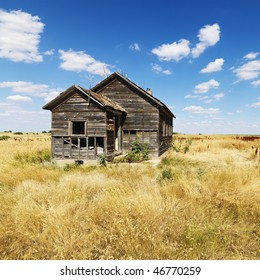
(201, 58)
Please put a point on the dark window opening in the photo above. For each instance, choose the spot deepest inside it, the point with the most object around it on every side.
(74, 142)
(78, 128)
(66, 141)
(100, 142)
(96, 144)
(83, 142)
(100, 145)
(91, 143)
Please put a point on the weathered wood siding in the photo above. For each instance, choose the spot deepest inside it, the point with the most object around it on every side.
(142, 119)
(110, 145)
(165, 132)
(78, 108)
(147, 137)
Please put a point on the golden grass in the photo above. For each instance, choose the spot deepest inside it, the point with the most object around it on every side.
(203, 204)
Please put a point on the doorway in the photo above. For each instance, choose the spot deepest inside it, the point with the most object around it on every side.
(118, 134)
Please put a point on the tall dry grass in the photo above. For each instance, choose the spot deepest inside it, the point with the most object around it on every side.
(188, 207)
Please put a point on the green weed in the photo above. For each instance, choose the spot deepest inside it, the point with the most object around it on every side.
(33, 158)
(139, 152)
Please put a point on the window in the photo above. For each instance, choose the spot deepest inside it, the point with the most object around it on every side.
(100, 145)
(78, 128)
(91, 143)
(96, 144)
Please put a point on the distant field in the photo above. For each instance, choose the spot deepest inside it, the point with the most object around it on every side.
(201, 200)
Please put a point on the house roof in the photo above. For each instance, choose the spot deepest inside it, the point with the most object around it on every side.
(105, 101)
(143, 92)
(98, 98)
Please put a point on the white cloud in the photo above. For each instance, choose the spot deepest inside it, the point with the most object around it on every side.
(251, 55)
(20, 36)
(13, 114)
(167, 72)
(29, 88)
(200, 110)
(254, 105)
(191, 96)
(206, 99)
(25, 87)
(135, 47)
(49, 52)
(214, 97)
(206, 86)
(52, 94)
(256, 83)
(79, 61)
(208, 36)
(213, 66)
(158, 69)
(248, 71)
(7, 106)
(175, 51)
(218, 96)
(19, 98)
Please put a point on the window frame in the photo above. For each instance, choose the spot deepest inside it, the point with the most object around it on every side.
(78, 134)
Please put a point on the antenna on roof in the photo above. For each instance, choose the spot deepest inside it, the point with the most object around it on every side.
(89, 80)
(123, 73)
(105, 73)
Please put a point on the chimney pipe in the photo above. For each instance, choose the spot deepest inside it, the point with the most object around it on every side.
(148, 90)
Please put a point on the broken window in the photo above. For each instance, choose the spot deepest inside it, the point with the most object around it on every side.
(100, 145)
(83, 142)
(76, 142)
(96, 144)
(91, 143)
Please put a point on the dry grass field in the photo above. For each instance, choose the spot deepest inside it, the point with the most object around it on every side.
(200, 201)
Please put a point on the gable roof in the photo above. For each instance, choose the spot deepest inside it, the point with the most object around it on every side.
(103, 101)
(142, 92)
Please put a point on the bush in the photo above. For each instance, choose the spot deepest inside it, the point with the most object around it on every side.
(181, 147)
(4, 137)
(166, 175)
(139, 152)
(102, 160)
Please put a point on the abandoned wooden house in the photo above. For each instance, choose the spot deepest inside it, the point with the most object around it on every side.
(107, 119)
